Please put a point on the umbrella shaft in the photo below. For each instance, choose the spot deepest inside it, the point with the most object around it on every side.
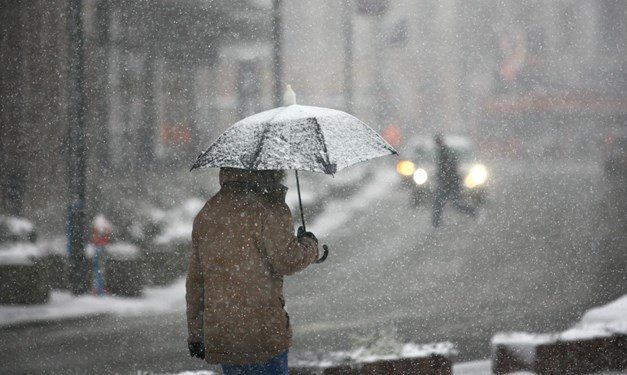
(300, 202)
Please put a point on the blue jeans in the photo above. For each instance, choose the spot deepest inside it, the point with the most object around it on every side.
(274, 366)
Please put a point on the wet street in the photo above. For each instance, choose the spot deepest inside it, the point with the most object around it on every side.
(545, 248)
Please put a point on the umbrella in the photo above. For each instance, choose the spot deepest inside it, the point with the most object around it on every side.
(295, 137)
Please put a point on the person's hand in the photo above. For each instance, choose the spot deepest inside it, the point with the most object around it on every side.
(196, 349)
(301, 233)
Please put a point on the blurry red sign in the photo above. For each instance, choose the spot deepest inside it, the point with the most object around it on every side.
(392, 134)
(175, 134)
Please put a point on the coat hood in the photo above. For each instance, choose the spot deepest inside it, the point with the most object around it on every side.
(266, 183)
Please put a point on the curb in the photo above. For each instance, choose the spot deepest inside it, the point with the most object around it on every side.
(431, 365)
(48, 321)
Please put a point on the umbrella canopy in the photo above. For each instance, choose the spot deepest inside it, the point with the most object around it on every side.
(295, 137)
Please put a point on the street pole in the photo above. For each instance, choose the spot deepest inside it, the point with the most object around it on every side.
(446, 19)
(380, 95)
(146, 155)
(277, 53)
(377, 9)
(103, 16)
(12, 114)
(76, 221)
(347, 29)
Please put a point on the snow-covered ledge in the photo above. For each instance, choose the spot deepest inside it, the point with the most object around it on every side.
(399, 358)
(597, 343)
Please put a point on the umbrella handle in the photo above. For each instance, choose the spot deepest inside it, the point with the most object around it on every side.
(325, 255)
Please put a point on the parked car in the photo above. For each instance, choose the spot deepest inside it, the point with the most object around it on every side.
(418, 170)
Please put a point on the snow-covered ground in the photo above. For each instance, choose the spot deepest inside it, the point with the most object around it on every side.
(339, 211)
(336, 218)
(176, 226)
(19, 253)
(63, 305)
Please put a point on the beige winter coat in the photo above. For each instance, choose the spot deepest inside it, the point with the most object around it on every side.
(243, 243)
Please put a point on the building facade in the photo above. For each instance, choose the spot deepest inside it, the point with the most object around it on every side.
(149, 89)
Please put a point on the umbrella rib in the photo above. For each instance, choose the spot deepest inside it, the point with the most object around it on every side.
(329, 168)
(254, 160)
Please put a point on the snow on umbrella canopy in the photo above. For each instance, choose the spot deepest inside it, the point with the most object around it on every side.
(295, 137)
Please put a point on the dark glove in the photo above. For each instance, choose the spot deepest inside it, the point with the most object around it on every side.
(196, 349)
(301, 233)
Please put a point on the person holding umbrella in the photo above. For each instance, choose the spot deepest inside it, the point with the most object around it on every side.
(243, 245)
(243, 240)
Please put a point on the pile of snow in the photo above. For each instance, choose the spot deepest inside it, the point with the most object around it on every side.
(19, 226)
(475, 368)
(611, 318)
(101, 224)
(603, 321)
(376, 353)
(118, 250)
(407, 350)
(64, 305)
(176, 223)
(122, 251)
(523, 345)
(16, 229)
(599, 322)
(20, 245)
(19, 253)
(56, 245)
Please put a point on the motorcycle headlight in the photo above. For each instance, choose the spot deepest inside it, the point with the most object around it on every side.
(477, 175)
(420, 176)
(405, 167)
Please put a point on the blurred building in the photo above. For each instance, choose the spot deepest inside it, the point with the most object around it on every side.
(559, 84)
(455, 66)
(165, 78)
(150, 86)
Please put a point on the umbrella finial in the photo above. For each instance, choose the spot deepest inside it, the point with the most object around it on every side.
(289, 97)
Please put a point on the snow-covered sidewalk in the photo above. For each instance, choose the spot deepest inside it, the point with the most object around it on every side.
(63, 305)
(177, 225)
(340, 211)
